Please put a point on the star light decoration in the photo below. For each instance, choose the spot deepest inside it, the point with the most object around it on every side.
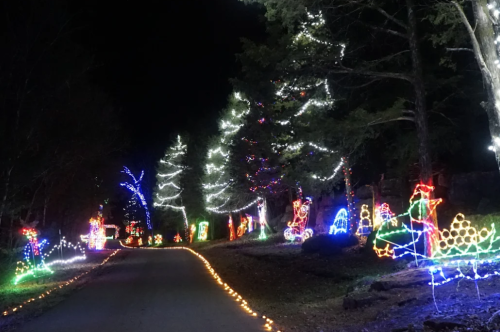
(168, 194)
(135, 188)
(297, 228)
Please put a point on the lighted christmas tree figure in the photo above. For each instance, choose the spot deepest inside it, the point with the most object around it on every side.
(171, 169)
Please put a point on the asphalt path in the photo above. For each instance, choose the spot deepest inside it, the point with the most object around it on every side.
(149, 291)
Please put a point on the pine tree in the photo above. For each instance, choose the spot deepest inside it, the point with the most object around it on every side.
(221, 191)
(171, 169)
(291, 145)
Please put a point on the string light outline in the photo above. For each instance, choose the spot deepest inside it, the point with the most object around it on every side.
(340, 223)
(365, 223)
(203, 230)
(297, 228)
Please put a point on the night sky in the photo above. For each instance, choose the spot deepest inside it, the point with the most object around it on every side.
(166, 65)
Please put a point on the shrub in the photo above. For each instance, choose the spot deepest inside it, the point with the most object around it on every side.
(328, 244)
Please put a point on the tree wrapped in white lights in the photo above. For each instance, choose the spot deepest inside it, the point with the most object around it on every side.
(485, 40)
(219, 190)
(314, 143)
(171, 169)
(304, 137)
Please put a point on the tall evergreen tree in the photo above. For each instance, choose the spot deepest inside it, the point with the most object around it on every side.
(171, 168)
(222, 193)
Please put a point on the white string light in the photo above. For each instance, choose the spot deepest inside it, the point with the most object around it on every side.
(170, 175)
(210, 196)
(300, 145)
(163, 199)
(212, 168)
(69, 245)
(496, 144)
(163, 185)
(169, 192)
(235, 210)
(335, 171)
(217, 181)
(313, 102)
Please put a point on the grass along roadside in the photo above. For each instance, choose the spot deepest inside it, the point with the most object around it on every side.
(31, 298)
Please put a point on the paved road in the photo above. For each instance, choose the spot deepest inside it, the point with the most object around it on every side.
(149, 291)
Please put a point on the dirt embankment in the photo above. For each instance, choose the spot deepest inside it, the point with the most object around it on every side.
(353, 291)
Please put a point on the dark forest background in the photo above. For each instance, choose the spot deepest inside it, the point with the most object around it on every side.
(89, 87)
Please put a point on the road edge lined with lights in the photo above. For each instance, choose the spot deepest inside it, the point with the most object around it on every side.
(244, 304)
(63, 284)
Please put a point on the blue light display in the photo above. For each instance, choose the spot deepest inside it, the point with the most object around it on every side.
(136, 189)
(340, 223)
